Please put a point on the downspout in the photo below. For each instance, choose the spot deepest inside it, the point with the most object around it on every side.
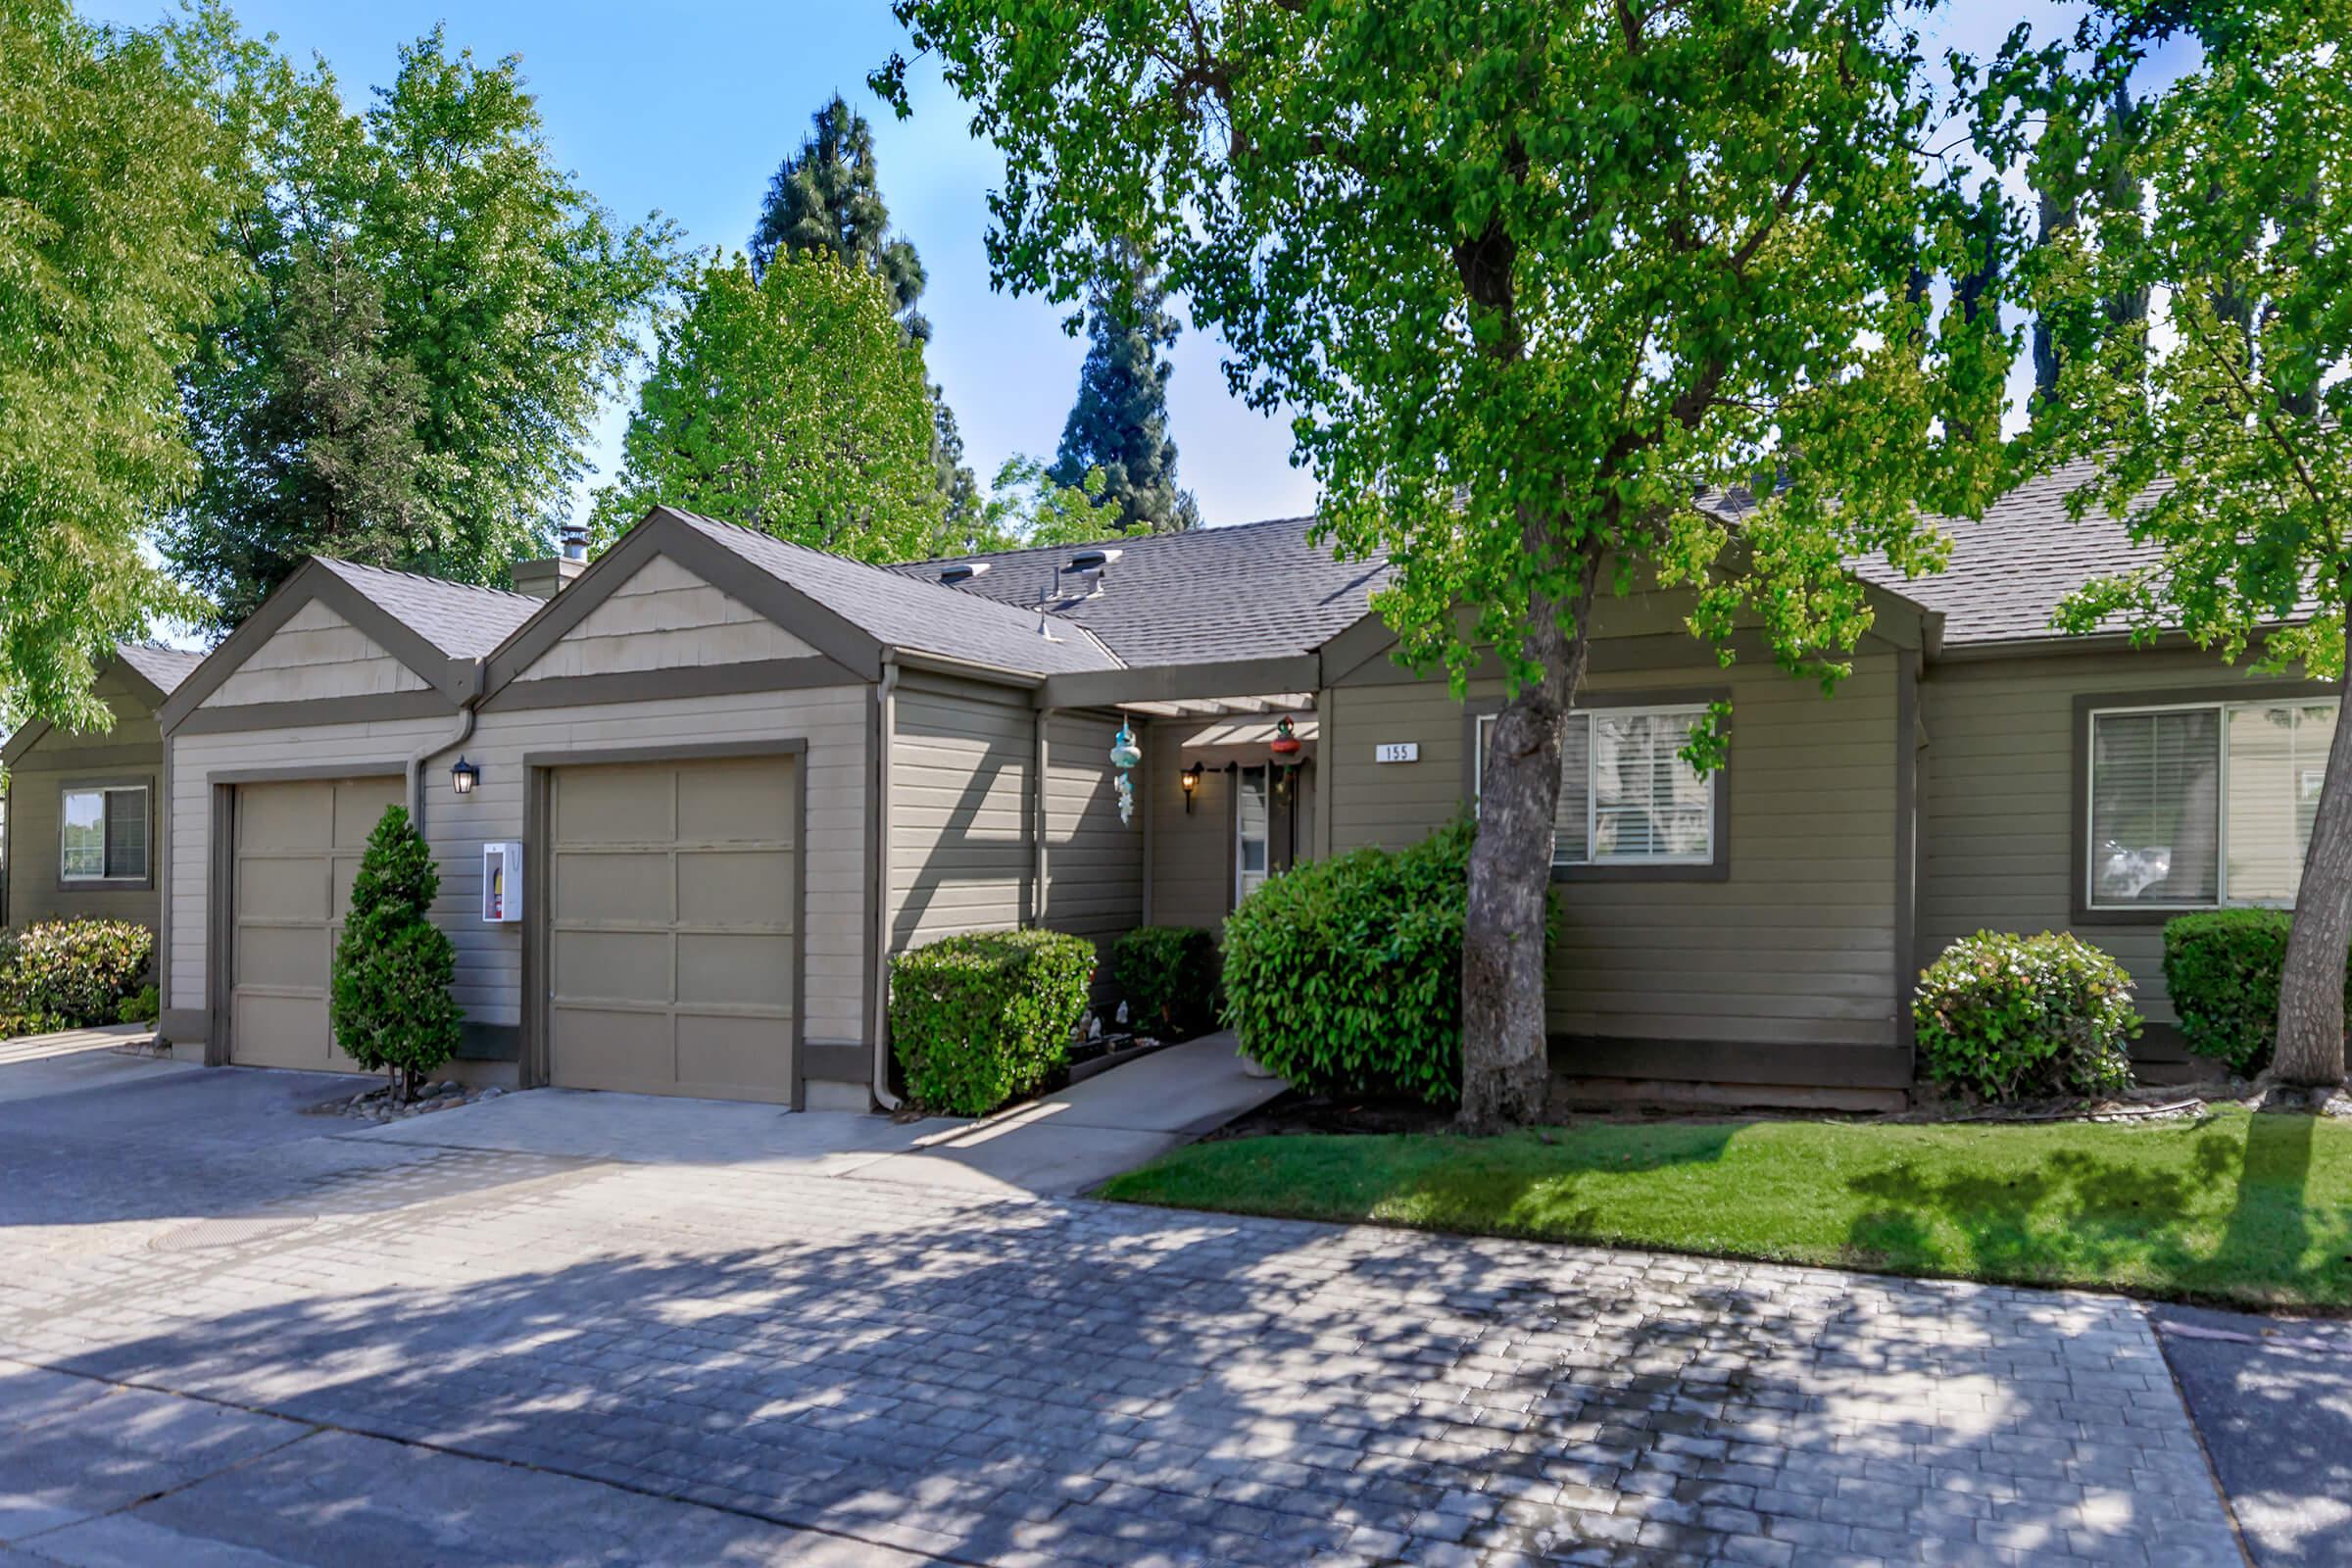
(886, 699)
(1037, 818)
(450, 742)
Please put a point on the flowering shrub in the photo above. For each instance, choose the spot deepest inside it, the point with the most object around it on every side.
(2011, 1017)
(62, 975)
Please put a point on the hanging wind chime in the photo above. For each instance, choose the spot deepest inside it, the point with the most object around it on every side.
(1124, 754)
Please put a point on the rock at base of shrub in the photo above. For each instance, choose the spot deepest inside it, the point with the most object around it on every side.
(2012, 1017)
(976, 1020)
(1169, 974)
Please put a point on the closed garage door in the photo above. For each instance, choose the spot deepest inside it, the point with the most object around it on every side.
(672, 939)
(297, 849)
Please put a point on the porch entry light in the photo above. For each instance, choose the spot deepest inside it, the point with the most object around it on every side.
(464, 776)
(1190, 778)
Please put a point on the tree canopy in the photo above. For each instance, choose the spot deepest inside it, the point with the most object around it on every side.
(791, 404)
(1532, 276)
(1118, 427)
(107, 207)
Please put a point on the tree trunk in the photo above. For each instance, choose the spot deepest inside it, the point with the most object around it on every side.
(2311, 991)
(1505, 1060)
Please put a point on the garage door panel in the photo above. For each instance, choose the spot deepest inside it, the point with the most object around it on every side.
(606, 1048)
(296, 817)
(735, 887)
(297, 851)
(617, 886)
(282, 888)
(727, 1056)
(735, 969)
(613, 806)
(360, 804)
(734, 802)
(611, 965)
(283, 957)
(341, 875)
(285, 1031)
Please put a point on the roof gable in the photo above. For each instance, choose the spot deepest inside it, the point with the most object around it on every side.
(663, 617)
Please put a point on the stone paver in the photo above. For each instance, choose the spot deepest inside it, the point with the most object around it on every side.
(991, 1380)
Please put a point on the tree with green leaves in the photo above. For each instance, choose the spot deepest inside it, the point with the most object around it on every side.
(388, 997)
(791, 404)
(1118, 427)
(1027, 509)
(108, 272)
(2222, 430)
(826, 199)
(1532, 276)
(495, 302)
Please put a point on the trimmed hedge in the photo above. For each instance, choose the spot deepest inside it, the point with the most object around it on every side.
(1344, 976)
(389, 1000)
(1169, 974)
(63, 974)
(2222, 968)
(2014, 1017)
(977, 1019)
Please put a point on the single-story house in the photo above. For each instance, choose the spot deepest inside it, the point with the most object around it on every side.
(712, 781)
(81, 812)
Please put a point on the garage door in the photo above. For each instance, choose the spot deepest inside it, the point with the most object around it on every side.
(672, 927)
(297, 848)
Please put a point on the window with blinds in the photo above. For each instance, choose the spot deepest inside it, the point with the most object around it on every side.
(102, 835)
(2199, 805)
(1627, 796)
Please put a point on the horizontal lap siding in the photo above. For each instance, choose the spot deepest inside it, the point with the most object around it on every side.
(1192, 857)
(1095, 862)
(316, 654)
(1998, 817)
(1797, 946)
(831, 719)
(960, 857)
(665, 617)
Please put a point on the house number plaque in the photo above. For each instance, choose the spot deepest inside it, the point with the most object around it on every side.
(1396, 752)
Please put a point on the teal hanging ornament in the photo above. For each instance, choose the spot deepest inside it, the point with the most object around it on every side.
(1124, 754)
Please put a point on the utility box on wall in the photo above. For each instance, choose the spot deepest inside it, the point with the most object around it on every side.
(502, 883)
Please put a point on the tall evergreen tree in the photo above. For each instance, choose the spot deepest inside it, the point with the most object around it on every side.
(1118, 427)
(827, 197)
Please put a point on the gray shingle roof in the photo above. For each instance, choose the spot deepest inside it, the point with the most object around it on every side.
(162, 667)
(904, 612)
(1254, 590)
(462, 620)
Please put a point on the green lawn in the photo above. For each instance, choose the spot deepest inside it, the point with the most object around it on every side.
(2250, 1211)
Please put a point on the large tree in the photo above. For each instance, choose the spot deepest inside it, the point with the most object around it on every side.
(1118, 427)
(1530, 275)
(107, 271)
(2220, 429)
(495, 302)
(826, 198)
(791, 404)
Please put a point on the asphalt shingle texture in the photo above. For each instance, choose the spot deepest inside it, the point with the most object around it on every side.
(462, 620)
(164, 668)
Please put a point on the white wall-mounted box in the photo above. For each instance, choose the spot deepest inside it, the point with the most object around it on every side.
(501, 882)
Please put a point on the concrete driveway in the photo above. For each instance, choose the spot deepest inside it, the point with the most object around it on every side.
(559, 1329)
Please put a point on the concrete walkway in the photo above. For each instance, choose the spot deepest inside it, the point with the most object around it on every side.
(75, 1042)
(1058, 1145)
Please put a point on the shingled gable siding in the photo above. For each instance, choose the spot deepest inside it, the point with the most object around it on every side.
(1795, 945)
(131, 752)
(317, 654)
(665, 618)
(961, 856)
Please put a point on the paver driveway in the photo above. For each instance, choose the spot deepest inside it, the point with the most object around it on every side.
(749, 1359)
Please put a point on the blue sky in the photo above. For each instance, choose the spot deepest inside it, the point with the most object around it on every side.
(688, 110)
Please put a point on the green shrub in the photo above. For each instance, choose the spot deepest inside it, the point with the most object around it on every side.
(2222, 969)
(144, 1006)
(1169, 974)
(389, 1003)
(977, 1019)
(63, 974)
(2011, 1017)
(1344, 976)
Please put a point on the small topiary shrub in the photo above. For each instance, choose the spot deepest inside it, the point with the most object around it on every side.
(2222, 968)
(2011, 1017)
(63, 974)
(389, 1003)
(978, 1020)
(1344, 976)
(1169, 974)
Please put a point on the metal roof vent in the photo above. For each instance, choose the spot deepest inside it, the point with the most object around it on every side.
(1089, 568)
(961, 571)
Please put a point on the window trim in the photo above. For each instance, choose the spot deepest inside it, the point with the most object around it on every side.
(105, 786)
(2089, 708)
(1716, 869)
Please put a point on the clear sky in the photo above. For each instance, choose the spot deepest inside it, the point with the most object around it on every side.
(688, 110)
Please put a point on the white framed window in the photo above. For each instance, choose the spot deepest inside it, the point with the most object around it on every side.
(1627, 796)
(2194, 806)
(102, 833)
(1252, 841)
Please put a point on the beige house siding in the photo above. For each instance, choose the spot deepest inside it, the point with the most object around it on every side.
(131, 752)
(1795, 945)
(961, 854)
(1997, 779)
(1190, 870)
(665, 618)
(317, 654)
(1094, 862)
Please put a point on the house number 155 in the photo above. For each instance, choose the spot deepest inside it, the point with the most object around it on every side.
(1396, 752)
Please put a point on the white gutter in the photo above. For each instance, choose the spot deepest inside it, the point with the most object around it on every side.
(1040, 818)
(886, 699)
(450, 742)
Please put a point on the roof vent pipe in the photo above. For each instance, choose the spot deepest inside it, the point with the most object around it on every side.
(1089, 566)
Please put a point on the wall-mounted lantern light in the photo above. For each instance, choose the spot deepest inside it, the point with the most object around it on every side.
(464, 776)
(1190, 778)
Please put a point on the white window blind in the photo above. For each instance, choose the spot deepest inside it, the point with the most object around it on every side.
(1627, 796)
(103, 834)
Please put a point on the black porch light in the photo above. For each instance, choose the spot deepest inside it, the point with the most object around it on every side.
(464, 776)
(1190, 778)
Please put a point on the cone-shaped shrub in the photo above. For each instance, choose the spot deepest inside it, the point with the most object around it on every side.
(391, 1008)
